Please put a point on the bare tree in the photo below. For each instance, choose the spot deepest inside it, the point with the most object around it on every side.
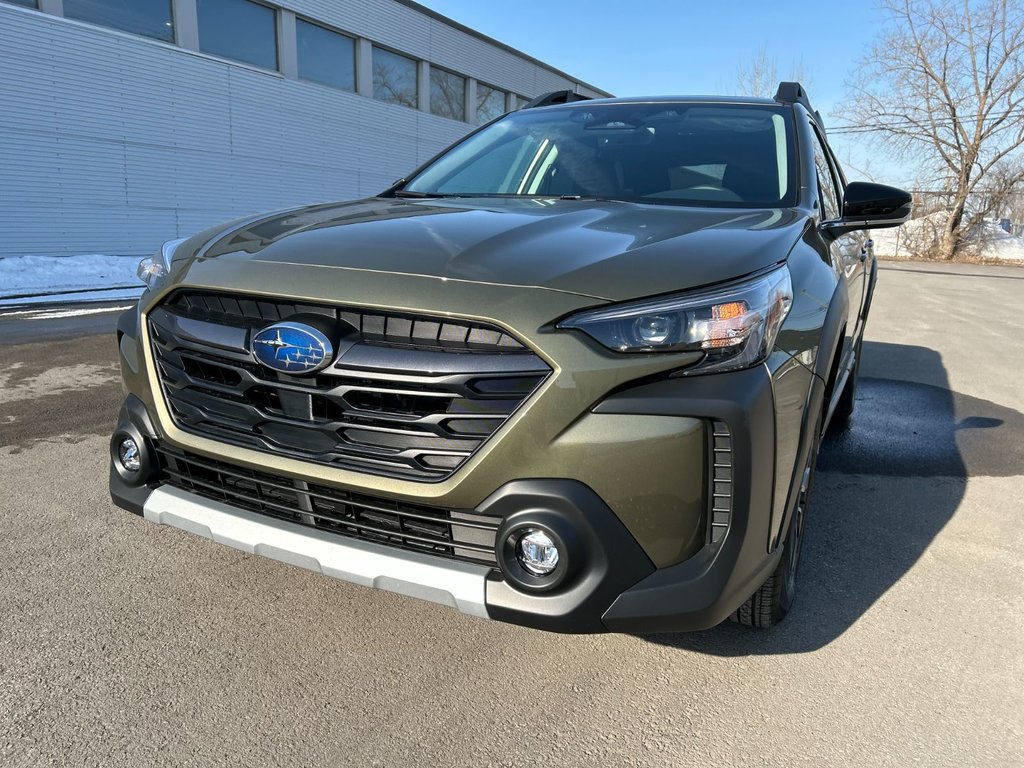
(945, 86)
(760, 75)
(1015, 210)
(1002, 190)
(757, 77)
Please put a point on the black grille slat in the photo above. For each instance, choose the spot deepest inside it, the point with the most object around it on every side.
(399, 524)
(280, 484)
(398, 412)
(390, 327)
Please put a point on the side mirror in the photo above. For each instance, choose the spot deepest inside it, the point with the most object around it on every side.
(872, 206)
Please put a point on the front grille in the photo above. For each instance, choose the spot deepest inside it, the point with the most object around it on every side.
(445, 532)
(407, 396)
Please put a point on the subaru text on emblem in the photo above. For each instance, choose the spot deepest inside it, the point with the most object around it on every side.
(292, 348)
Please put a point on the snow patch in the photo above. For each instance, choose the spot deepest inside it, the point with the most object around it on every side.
(997, 243)
(88, 277)
(54, 314)
(918, 237)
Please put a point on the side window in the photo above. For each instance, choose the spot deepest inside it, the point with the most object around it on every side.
(829, 193)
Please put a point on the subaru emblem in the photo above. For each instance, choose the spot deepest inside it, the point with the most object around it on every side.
(292, 348)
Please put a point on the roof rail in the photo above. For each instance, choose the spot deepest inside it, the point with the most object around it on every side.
(555, 97)
(794, 93)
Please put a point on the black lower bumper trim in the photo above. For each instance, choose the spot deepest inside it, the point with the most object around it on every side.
(606, 559)
(127, 492)
(703, 590)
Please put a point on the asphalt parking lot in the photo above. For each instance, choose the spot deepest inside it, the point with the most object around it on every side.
(125, 643)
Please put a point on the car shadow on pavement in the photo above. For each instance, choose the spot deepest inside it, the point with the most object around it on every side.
(886, 486)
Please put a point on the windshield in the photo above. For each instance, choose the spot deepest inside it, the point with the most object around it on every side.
(686, 154)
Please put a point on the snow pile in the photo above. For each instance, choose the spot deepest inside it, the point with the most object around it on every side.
(34, 279)
(996, 243)
(919, 237)
(915, 238)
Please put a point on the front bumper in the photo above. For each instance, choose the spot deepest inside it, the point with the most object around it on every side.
(617, 587)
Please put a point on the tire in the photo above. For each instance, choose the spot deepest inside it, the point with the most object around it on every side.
(773, 599)
(843, 413)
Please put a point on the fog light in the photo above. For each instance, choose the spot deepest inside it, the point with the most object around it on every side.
(128, 454)
(537, 553)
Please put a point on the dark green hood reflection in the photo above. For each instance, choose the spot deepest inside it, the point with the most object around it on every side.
(609, 250)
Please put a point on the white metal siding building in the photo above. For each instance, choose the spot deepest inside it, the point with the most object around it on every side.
(112, 141)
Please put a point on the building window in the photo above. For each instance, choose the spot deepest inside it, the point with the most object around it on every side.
(325, 56)
(447, 94)
(490, 103)
(26, 3)
(238, 29)
(518, 102)
(395, 78)
(151, 18)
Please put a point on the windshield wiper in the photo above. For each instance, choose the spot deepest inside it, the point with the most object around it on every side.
(595, 198)
(465, 195)
(418, 195)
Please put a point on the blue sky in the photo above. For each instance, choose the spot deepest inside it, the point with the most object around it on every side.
(646, 47)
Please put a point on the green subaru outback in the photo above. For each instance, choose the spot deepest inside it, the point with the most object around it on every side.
(572, 373)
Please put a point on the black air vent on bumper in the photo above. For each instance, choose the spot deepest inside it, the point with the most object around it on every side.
(409, 397)
(444, 532)
(721, 481)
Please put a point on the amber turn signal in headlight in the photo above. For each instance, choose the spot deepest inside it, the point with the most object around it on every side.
(735, 325)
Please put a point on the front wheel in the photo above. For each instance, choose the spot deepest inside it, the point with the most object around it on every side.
(773, 599)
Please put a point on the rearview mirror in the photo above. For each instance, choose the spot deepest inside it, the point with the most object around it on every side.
(872, 206)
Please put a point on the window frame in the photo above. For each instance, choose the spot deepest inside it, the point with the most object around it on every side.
(416, 68)
(494, 89)
(172, 40)
(334, 30)
(465, 87)
(276, 11)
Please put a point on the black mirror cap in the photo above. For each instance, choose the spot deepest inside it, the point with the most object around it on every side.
(870, 205)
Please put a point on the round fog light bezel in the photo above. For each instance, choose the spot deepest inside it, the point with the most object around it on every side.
(513, 568)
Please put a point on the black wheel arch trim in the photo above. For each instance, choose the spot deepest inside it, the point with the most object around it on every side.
(831, 340)
(815, 405)
(705, 589)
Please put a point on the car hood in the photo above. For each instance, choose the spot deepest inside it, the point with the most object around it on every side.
(607, 250)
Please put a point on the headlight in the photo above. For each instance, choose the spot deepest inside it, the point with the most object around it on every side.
(153, 269)
(735, 325)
